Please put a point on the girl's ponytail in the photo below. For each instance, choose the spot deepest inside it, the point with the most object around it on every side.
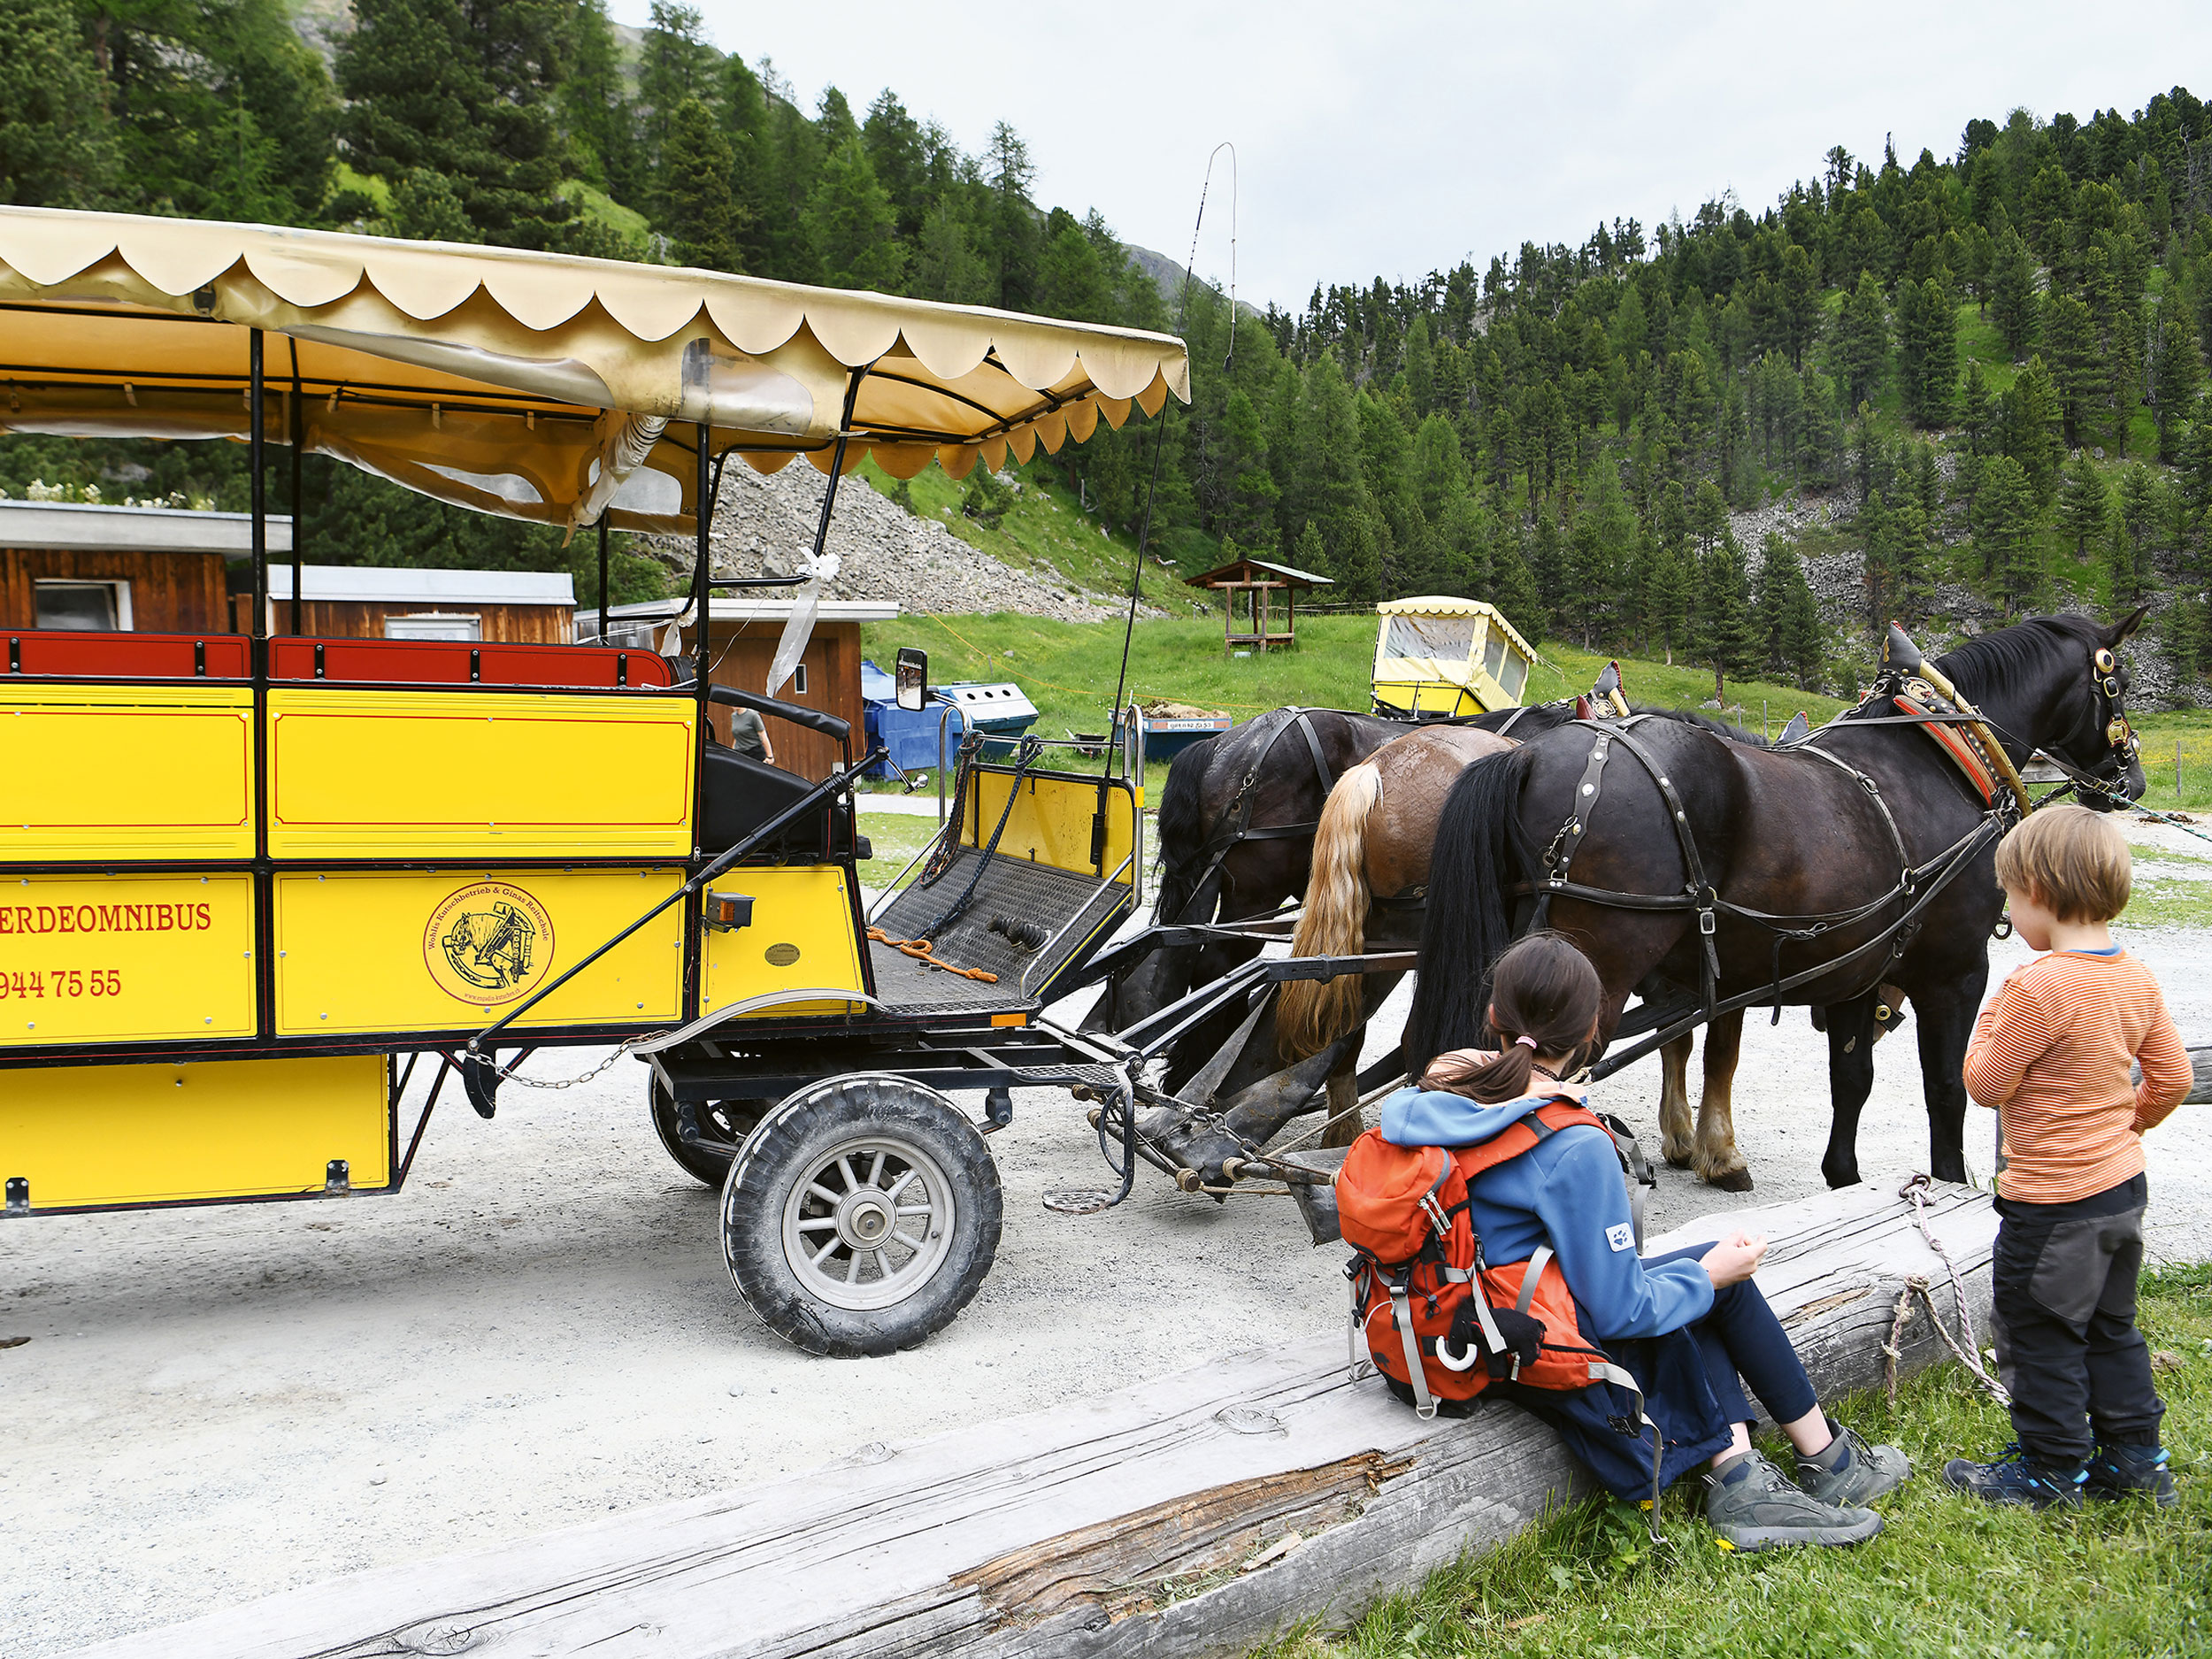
(1545, 997)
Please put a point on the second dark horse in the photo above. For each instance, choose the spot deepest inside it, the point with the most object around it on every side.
(1782, 831)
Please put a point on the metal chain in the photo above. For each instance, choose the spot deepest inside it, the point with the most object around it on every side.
(507, 1073)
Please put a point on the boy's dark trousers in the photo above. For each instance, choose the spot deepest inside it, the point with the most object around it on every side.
(2067, 1345)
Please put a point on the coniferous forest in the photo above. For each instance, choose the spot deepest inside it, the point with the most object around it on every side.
(1988, 366)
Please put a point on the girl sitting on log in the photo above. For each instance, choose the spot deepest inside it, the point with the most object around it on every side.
(1688, 1325)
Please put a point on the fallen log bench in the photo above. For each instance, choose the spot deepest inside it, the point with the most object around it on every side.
(1198, 1514)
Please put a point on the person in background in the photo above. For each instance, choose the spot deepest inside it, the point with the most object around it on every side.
(749, 735)
(1689, 1323)
(2052, 1052)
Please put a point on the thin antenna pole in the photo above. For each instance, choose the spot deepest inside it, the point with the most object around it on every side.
(255, 459)
(603, 578)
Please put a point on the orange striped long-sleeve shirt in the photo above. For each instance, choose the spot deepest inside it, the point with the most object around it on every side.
(2052, 1052)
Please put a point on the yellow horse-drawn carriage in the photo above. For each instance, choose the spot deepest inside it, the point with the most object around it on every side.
(1443, 657)
(247, 883)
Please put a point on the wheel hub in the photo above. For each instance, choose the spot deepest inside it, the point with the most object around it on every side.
(864, 1218)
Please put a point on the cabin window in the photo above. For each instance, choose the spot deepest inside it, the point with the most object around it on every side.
(1446, 639)
(798, 680)
(1493, 657)
(87, 607)
(435, 625)
(1515, 678)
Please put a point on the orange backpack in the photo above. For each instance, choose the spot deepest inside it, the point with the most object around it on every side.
(1436, 1315)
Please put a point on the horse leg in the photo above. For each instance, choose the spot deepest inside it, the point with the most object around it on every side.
(1851, 1031)
(1718, 1162)
(1343, 1099)
(1674, 1100)
(1947, 1021)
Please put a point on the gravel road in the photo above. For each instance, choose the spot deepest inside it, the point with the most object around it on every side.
(218, 1404)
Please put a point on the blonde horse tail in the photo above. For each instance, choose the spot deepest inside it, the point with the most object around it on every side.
(1311, 1014)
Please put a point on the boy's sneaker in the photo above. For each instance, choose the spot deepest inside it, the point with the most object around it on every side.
(1752, 1505)
(2017, 1478)
(2132, 1472)
(1851, 1472)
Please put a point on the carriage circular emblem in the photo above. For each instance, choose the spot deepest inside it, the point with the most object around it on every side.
(488, 943)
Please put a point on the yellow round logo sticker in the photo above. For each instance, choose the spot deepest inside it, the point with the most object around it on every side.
(489, 943)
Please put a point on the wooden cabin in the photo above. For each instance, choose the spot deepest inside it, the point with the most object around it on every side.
(1256, 582)
(376, 602)
(119, 569)
(741, 645)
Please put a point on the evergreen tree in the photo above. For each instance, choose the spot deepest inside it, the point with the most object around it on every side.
(425, 208)
(2007, 530)
(2120, 557)
(2081, 503)
(696, 163)
(57, 142)
(850, 224)
(2031, 428)
(1936, 373)
(1514, 591)
(1672, 598)
(675, 64)
(461, 87)
(2176, 371)
(595, 105)
(2013, 293)
(947, 264)
(1863, 340)
(1730, 633)
(2070, 353)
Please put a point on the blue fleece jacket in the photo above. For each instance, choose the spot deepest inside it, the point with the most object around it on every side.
(1568, 1191)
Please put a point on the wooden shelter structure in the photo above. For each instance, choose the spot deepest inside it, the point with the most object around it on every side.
(1258, 582)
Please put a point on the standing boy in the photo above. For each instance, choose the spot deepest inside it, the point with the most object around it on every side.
(2051, 1052)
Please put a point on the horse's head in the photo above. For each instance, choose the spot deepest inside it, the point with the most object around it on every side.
(2057, 684)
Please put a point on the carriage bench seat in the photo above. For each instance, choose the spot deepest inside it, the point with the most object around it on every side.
(1067, 913)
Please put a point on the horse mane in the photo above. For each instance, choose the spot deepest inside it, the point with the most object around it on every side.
(1691, 717)
(2024, 647)
(1181, 825)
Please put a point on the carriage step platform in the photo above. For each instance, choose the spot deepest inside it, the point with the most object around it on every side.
(1027, 923)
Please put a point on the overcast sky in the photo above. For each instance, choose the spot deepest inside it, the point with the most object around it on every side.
(1395, 139)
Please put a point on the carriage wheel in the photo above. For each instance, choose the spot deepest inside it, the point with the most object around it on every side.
(860, 1215)
(723, 1124)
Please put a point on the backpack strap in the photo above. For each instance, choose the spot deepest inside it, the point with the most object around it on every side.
(1402, 1310)
(1537, 1264)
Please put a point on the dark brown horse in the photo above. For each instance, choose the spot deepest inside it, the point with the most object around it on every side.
(1802, 839)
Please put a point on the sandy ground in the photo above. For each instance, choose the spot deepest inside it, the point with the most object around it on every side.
(217, 1404)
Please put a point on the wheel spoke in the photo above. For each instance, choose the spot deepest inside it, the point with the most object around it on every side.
(845, 1163)
(913, 1210)
(899, 1185)
(883, 1269)
(824, 1251)
(824, 1194)
(852, 1268)
(875, 1170)
(914, 1245)
(815, 1224)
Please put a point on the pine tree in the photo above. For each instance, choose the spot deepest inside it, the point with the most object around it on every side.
(696, 164)
(1513, 590)
(2031, 428)
(425, 208)
(1936, 382)
(2176, 369)
(2072, 354)
(1672, 598)
(1881, 576)
(462, 87)
(2013, 293)
(851, 226)
(675, 64)
(1863, 340)
(2008, 527)
(2120, 557)
(1731, 635)
(2081, 503)
(1976, 408)
(596, 104)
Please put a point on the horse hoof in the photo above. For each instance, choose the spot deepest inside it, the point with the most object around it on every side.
(1674, 1162)
(1731, 1180)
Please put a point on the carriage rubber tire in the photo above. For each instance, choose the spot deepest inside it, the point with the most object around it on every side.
(704, 1167)
(876, 1110)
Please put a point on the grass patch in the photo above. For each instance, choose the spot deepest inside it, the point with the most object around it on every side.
(1947, 1576)
(1069, 668)
(895, 837)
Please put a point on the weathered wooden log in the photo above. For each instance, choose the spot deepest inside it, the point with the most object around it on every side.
(1193, 1515)
(2200, 1066)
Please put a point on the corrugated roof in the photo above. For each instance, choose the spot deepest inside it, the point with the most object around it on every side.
(1260, 565)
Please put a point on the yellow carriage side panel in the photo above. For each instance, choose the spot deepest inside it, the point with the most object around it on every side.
(361, 951)
(120, 771)
(803, 938)
(172, 1133)
(1051, 821)
(450, 774)
(125, 958)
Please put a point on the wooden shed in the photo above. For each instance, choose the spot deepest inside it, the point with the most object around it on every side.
(152, 570)
(375, 602)
(741, 645)
(1257, 581)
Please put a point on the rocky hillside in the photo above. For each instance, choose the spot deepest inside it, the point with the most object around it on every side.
(765, 526)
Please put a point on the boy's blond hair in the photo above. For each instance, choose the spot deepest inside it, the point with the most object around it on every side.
(2072, 860)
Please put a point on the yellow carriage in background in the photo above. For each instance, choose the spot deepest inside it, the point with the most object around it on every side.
(1441, 658)
(244, 877)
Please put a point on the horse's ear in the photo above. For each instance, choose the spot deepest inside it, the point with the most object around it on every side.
(2120, 632)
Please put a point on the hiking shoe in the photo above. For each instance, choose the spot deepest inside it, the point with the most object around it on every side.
(2132, 1472)
(1751, 1505)
(1850, 1471)
(2017, 1478)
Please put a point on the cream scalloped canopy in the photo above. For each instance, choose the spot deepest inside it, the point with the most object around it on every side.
(536, 386)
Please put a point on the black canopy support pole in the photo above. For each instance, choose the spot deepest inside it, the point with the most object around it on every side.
(701, 597)
(298, 429)
(837, 458)
(603, 578)
(256, 392)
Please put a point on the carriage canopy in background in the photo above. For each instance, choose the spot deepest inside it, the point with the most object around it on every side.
(1442, 657)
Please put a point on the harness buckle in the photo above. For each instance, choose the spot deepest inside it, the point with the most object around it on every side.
(1705, 922)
